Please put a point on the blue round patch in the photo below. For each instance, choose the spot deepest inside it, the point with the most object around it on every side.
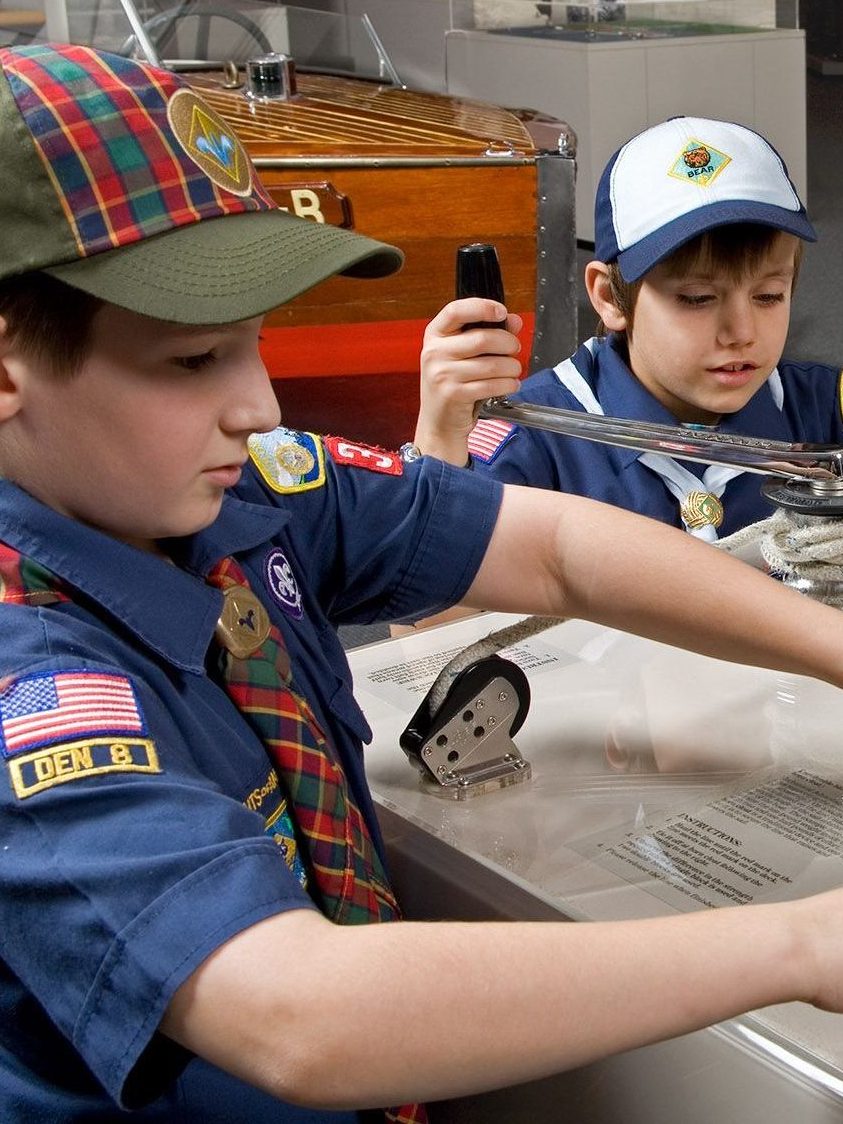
(283, 584)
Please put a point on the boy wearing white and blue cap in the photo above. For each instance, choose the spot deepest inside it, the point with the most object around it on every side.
(698, 240)
(196, 922)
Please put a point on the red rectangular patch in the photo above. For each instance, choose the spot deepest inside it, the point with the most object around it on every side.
(364, 456)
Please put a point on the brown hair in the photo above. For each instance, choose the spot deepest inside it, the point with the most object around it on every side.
(735, 250)
(49, 320)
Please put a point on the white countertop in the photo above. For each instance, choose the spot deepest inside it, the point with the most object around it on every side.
(661, 781)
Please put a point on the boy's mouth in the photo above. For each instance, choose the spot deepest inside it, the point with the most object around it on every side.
(225, 475)
(734, 376)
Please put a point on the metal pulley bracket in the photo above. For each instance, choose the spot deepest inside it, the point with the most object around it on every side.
(464, 746)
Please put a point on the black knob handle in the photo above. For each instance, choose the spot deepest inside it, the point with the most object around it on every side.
(479, 275)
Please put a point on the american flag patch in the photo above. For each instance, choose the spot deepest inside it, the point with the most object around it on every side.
(488, 438)
(42, 709)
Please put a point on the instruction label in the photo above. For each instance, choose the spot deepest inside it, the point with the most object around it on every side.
(776, 839)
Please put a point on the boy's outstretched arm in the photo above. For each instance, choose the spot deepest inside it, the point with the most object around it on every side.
(557, 554)
(461, 367)
(371, 1015)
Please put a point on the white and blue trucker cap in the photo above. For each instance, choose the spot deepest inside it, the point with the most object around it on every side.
(683, 177)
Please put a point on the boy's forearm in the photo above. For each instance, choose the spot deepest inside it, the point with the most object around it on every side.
(391, 1013)
(529, 1000)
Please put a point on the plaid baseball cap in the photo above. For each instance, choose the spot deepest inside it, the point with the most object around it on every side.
(115, 177)
(683, 177)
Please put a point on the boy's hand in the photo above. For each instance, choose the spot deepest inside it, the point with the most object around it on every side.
(459, 368)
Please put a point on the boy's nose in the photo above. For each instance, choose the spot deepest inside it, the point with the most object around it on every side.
(737, 323)
(252, 405)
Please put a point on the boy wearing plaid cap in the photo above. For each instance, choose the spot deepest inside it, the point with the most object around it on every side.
(196, 921)
(698, 239)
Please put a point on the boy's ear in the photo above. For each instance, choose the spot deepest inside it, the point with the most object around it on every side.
(9, 395)
(599, 291)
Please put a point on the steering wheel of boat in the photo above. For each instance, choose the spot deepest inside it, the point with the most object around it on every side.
(159, 27)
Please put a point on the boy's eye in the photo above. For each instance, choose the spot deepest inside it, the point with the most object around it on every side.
(694, 300)
(770, 298)
(196, 362)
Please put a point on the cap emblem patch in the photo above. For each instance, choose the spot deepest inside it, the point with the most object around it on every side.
(699, 163)
(209, 142)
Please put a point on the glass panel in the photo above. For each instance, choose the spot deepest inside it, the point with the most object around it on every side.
(202, 31)
(623, 19)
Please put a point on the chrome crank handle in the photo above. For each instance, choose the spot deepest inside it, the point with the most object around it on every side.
(820, 464)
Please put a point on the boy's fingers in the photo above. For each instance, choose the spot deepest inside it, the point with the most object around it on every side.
(493, 388)
(482, 367)
(469, 345)
(465, 404)
(470, 310)
(494, 341)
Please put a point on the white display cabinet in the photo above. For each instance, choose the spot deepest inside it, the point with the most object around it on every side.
(611, 69)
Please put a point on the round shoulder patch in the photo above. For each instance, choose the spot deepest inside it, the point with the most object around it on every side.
(210, 142)
(282, 582)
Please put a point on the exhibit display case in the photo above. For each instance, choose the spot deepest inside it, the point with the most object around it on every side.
(614, 68)
(661, 781)
(624, 18)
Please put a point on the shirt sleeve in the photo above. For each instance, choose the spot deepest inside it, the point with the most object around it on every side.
(539, 458)
(396, 543)
(525, 459)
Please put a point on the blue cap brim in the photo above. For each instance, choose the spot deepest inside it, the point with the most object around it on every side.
(644, 255)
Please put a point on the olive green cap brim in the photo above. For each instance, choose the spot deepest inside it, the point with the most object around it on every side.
(226, 269)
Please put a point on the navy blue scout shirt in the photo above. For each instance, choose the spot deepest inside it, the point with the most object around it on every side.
(125, 863)
(810, 411)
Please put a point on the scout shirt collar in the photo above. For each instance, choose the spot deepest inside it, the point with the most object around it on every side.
(170, 610)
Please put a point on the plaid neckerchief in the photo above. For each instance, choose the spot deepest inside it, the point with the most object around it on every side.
(26, 582)
(344, 870)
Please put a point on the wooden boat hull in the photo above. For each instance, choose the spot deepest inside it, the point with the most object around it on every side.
(427, 173)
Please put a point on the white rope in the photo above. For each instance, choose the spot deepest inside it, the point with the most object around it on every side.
(805, 550)
(487, 646)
